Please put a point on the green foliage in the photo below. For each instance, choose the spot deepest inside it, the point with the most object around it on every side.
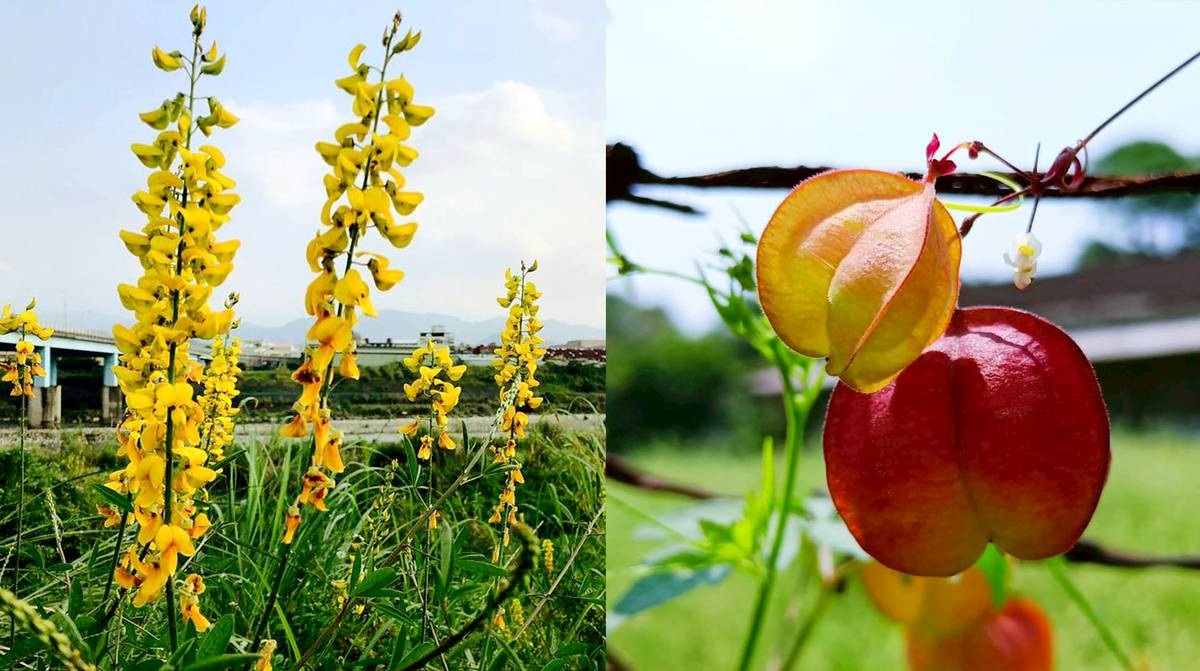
(1151, 612)
(570, 387)
(663, 383)
(343, 553)
(1145, 219)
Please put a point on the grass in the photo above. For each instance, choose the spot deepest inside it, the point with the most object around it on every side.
(1149, 506)
(563, 491)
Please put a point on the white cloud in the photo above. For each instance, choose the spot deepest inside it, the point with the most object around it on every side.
(556, 28)
(505, 179)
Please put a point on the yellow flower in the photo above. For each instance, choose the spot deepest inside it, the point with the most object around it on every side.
(264, 656)
(291, 522)
(170, 542)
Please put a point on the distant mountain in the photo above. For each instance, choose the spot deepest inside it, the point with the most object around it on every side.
(395, 324)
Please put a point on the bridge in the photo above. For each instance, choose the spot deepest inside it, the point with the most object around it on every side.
(45, 407)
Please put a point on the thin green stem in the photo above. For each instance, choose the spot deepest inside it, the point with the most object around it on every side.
(806, 627)
(116, 554)
(276, 582)
(168, 485)
(1058, 569)
(796, 415)
(21, 491)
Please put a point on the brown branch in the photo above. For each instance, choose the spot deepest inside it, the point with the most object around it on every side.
(1084, 552)
(624, 172)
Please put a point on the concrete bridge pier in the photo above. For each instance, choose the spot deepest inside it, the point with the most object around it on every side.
(33, 409)
(45, 407)
(110, 393)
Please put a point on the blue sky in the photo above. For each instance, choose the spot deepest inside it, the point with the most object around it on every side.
(704, 86)
(512, 165)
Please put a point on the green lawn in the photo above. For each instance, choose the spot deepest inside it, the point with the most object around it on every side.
(1150, 505)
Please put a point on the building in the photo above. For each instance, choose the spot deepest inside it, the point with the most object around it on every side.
(380, 352)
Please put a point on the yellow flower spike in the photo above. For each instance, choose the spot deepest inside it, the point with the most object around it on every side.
(828, 288)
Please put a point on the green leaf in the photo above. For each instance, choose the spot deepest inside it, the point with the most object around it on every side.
(392, 612)
(416, 653)
(375, 583)
(994, 566)
(825, 527)
(67, 626)
(1058, 569)
(554, 665)
(220, 662)
(228, 458)
(75, 599)
(658, 588)
(446, 543)
(481, 567)
(571, 650)
(217, 638)
(113, 499)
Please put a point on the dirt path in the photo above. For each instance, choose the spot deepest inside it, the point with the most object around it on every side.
(383, 430)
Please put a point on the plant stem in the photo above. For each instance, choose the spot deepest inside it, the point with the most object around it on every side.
(20, 493)
(112, 567)
(806, 627)
(276, 582)
(796, 416)
(168, 493)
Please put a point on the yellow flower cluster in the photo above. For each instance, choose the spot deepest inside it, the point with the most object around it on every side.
(548, 555)
(28, 363)
(218, 393)
(516, 363)
(362, 189)
(428, 363)
(187, 201)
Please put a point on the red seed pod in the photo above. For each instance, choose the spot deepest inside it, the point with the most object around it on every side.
(1018, 637)
(998, 432)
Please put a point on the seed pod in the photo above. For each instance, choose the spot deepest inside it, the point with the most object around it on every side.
(860, 266)
(998, 432)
